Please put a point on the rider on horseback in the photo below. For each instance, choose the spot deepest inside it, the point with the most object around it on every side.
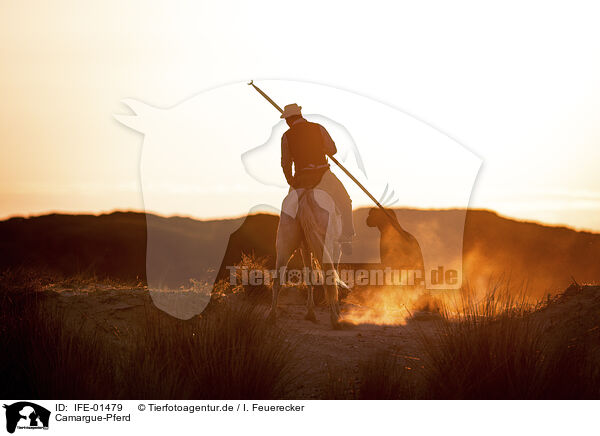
(307, 145)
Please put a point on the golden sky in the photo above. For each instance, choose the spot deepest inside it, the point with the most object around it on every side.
(516, 83)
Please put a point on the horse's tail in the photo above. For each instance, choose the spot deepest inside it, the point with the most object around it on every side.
(321, 234)
(319, 222)
(312, 227)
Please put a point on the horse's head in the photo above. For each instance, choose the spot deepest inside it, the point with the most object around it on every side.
(378, 218)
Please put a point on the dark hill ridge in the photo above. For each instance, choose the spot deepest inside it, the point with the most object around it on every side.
(109, 245)
(549, 257)
(114, 245)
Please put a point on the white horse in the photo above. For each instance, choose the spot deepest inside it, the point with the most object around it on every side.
(310, 223)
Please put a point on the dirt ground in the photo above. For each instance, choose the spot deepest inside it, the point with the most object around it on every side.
(319, 349)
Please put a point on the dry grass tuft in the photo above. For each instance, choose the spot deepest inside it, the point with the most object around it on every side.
(252, 264)
(496, 349)
(499, 347)
(43, 356)
(230, 353)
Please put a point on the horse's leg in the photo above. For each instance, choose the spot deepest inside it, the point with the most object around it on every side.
(288, 239)
(331, 293)
(331, 290)
(310, 303)
(281, 268)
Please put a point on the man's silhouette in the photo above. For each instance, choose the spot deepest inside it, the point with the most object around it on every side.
(307, 145)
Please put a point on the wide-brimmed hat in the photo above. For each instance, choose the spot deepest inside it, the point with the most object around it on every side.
(290, 110)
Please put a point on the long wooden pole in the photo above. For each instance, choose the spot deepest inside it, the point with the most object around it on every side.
(387, 213)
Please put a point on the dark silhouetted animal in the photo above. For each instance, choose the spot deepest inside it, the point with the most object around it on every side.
(398, 249)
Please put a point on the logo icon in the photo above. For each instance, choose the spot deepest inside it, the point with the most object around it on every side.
(26, 415)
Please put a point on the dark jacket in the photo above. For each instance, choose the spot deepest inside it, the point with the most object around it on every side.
(306, 145)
